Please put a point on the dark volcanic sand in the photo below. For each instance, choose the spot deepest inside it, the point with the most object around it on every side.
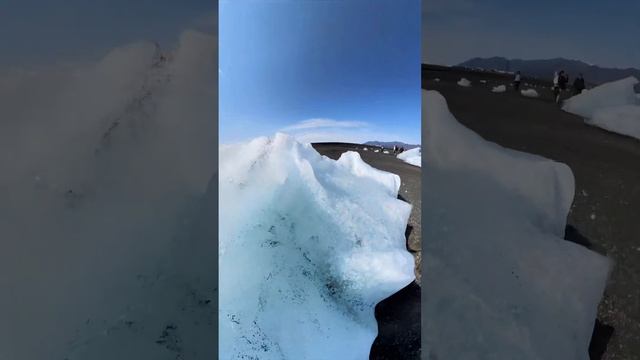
(606, 166)
(399, 315)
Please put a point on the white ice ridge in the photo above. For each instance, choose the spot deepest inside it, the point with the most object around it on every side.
(613, 106)
(502, 283)
(308, 246)
(413, 156)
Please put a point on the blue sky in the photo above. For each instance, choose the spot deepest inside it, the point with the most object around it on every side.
(342, 70)
(35, 33)
(605, 33)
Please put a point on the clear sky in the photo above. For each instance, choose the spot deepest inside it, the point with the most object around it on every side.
(322, 70)
(605, 33)
(37, 32)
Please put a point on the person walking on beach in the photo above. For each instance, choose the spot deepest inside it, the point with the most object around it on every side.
(578, 85)
(563, 80)
(516, 81)
(556, 88)
(560, 81)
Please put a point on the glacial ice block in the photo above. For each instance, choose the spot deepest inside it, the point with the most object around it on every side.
(308, 247)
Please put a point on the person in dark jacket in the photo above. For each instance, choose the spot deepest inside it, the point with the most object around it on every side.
(563, 80)
(556, 87)
(516, 81)
(578, 84)
(559, 84)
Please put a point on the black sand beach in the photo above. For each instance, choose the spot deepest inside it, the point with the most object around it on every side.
(399, 315)
(606, 212)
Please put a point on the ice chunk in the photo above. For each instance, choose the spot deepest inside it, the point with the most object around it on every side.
(624, 119)
(100, 253)
(494, 256)
(612, 106)
(547, 185)
(351, 160)
(308, 246)
(529, 93)
(615, 93)
(499, 89)
(413, 156)
(464, 82)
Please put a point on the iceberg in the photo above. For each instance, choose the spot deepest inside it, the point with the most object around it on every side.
(612, 106)
(307, 247)
(413, 156)
(611, 94)
(623, 119)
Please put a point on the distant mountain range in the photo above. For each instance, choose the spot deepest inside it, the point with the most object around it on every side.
(390, 144)
(544, 69)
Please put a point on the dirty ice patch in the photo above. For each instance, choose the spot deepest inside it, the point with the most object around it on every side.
(499, 89)
(413, 156)
(308, 247)
(464, 82)
(529, 93)
(495, 256)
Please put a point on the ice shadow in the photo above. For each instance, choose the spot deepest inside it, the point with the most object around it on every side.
(399, 328)
(600, 338)
(573, 235)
